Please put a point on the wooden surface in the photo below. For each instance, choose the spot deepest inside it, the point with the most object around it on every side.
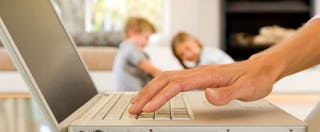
(294, 99)
(299, 105)
(5, 63)
(96, 58)
(15, 95)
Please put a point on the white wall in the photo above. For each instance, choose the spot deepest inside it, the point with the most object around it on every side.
(199, 17)
(209, 22)
(317, 6)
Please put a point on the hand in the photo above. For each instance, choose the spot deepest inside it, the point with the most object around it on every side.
(246, 81)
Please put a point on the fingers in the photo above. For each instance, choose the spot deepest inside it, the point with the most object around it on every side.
(161, 98)
(160, 90)
(133, 100)
(147, 93)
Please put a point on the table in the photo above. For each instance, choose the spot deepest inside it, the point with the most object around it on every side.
(19, 113)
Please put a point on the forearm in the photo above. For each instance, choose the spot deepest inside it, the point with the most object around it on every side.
(154, 71)
(146, 66)
(295, 54)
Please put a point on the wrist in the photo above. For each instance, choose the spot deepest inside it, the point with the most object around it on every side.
(272, 65)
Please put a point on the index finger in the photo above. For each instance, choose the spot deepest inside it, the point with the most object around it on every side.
(169, 91)
(147, 93)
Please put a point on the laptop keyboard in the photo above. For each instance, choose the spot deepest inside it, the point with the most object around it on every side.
(116, 108)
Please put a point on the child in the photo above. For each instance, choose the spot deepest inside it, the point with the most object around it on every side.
(190, 53)
(132, 68)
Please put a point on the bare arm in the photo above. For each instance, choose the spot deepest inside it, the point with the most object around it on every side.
(146, 66)
(297, 53)
(248, 80)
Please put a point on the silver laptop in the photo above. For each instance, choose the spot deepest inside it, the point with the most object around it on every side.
(46, 57)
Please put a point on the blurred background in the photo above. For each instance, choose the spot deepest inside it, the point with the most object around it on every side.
(239, 27)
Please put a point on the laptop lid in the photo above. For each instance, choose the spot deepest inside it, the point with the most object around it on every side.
(46, 56)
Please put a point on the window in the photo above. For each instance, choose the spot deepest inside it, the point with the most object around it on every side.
(100, 22)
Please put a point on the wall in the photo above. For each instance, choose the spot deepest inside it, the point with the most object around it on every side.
(317, 6)
(198, 17)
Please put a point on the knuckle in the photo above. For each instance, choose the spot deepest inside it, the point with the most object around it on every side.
(177, 84)
(167, 97)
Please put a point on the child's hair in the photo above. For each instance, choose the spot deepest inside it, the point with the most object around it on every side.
(139, 25)
(179, 38)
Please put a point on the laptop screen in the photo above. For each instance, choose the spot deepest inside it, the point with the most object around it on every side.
(49, 54)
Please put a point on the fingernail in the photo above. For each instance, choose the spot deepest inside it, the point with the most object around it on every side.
(131, 109)
(133, 100)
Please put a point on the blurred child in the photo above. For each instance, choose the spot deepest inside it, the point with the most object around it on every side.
(190, 53)
(132, 68)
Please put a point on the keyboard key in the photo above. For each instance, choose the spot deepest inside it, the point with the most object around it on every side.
(106, 108)
(118, 108)
(128, 116)
(165, 108)
(146, 116)
(175, 109)
(178, 108)
(162, 116)
(180, 116)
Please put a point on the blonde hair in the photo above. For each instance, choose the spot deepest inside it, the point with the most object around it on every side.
(179, 38)
(138, 25)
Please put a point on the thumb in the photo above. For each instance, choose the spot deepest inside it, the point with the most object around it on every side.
(219, 96)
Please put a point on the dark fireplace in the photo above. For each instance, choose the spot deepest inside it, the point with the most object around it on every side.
(250, 26)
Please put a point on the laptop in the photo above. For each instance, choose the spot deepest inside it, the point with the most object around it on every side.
(46, 57)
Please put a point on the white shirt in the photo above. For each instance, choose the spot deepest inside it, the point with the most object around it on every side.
(212, 55)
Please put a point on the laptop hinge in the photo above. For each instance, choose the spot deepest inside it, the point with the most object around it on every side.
(79, 113)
